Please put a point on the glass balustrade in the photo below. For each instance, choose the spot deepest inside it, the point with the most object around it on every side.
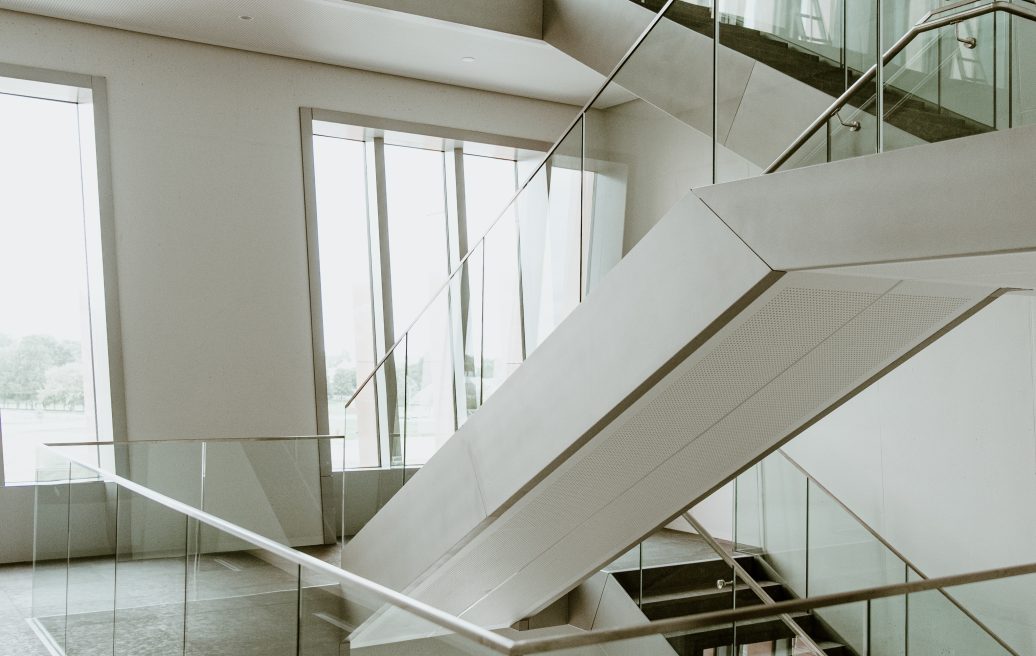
(123, 569)
(814, 546)
(963, 73)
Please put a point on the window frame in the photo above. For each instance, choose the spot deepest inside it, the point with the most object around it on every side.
(377, 132)
(90, 94)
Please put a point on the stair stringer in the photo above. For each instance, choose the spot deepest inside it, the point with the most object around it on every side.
(644, 313)
(547, 483)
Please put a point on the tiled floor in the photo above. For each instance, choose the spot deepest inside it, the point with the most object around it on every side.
(220, 604)
(16, 638)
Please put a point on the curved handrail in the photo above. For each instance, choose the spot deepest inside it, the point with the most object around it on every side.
(933, 20)
(521, 188)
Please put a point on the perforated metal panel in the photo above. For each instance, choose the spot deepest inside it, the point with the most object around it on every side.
(802, 346)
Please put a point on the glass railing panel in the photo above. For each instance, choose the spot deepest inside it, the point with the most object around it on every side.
(50, 554)
(361, 446)
(391, 377)
(150, 577)
(796, 627)
(853, 132)
(502, 345)
(430, 408)
(967, 75)
(789, 61)
(758, 109)
(90, 596)
(240, 599)
(844, 556)
(640, 162)
(813, 547)
(748, 512)
(366, 491)
(653, 124)
(938, 625)
(812, 635)
(271, 487)
(768, 635)
(326, 616)
(337, 618)
(549, 213)
(672, 67)
(1016, 42)
(816, 150)
(173, 468)
(951, 82)
(943, 86)
(468, 287)
(781, 516)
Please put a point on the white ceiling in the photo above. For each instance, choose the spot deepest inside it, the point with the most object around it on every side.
(348, 34)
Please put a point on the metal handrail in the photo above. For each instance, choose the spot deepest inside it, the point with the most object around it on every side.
(723, 617)
(387, 595)
(550, 153)
(895, 552)
(504, 645)
(927, 23)
(741, 572)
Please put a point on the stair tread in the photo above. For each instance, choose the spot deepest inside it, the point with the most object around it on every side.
(742, 624)
(694, 593)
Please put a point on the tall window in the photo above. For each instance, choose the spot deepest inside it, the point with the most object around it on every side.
(53, 360)
(391, 214)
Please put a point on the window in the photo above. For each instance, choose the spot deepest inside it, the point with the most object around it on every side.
(54, 357)
(391, 214)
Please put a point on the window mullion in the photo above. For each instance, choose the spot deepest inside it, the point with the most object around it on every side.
(381, 282)
(459, 292)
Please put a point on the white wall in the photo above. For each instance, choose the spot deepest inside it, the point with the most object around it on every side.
(662, 158)
(206, 164)
(211, 251)
(940, 458)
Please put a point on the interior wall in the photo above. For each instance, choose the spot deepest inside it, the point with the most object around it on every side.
(661, 158)
(940, 458)
(209, 217)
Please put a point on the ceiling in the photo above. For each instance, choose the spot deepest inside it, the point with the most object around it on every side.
(355, 35)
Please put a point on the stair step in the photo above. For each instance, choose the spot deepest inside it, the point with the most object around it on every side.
(693, 602)
(931, 125)
(681, 577)
(835, 648)
(749, 631)
(666, 597)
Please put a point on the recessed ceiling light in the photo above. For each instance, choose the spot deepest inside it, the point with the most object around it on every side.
(245, 18)
(468, 60)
